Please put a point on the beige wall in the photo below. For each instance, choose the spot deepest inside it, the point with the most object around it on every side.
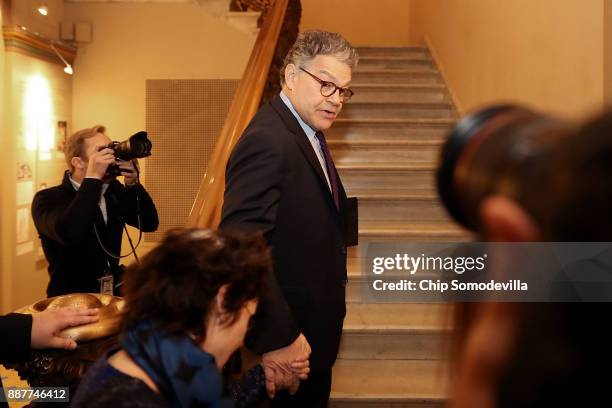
(608, 53)
(362, 22)
(135, 42)
(4, 263)
(38, 95)
(25, 13)
(21, 280)
(546, 54)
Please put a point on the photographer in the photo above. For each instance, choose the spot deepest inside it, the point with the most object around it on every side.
(514, 175)
(81, 221)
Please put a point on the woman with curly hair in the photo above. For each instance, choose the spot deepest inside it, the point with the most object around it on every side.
(187, 308)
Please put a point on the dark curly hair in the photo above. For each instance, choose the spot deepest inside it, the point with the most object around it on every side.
(176, 283)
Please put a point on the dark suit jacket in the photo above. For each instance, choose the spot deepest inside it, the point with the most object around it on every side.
(275, 184)
(15, 341)
(16, 337)
(65, 221)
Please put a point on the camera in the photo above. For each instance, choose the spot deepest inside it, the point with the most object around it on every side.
(136, 146)
(502, 149)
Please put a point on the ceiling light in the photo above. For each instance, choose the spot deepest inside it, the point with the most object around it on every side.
(68, 68)
(43, 9)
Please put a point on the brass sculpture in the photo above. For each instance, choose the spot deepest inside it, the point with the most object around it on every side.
(65, 368)
(109, 314)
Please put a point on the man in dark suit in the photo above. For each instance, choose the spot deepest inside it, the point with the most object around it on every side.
(81, 221)
(282, 180)
(20, 332)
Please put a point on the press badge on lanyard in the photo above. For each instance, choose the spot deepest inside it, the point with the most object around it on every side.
(107, 283)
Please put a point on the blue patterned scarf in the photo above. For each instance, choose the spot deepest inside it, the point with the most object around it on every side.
(185, 375)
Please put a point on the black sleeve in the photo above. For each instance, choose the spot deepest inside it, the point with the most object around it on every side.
(68, 224)
(149, 220)
(253, 183)
(250, 389)
(16, 337)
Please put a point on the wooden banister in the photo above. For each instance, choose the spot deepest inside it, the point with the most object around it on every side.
(206, 209)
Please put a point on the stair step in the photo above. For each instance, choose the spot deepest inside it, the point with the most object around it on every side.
(401, 318)
(401, 62)
(404, 129)
(416, 93)
(389, 383)
(415, 207)
(358, 287)
(385, 151)
(388, 331)
(401, 178)
(398, 76)
(354, 269)
(397, 110)
(393, 52)
(410, 231)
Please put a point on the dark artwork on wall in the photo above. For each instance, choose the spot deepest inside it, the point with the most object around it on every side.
(62, 130)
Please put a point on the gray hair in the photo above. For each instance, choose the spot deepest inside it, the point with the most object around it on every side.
(311, 43)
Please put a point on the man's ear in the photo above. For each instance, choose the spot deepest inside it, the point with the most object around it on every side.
(78, 163)
(219, 304)
(290, 73)
(504, 220)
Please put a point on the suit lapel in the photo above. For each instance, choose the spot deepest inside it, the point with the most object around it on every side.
(302, 141)
(98, 219)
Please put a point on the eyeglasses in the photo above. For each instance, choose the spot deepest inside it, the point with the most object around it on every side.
(329, 88)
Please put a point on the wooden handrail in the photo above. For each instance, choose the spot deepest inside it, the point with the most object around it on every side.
(206, 209)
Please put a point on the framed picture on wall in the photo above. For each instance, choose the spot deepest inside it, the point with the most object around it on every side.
(62, 131)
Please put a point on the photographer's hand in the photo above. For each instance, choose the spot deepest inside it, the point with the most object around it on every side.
(99, 162)
(129, 170)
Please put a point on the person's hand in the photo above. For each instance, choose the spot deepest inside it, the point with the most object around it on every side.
(99, 162)
(285, 367)
(129, 170)
(47, 325)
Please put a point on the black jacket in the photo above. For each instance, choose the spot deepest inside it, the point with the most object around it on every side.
(16, 330)
(65, 221)
(275, 184)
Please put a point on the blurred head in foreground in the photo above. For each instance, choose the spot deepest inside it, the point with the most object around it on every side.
(514, 175)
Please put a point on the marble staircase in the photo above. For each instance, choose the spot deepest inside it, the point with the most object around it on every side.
(385, 145)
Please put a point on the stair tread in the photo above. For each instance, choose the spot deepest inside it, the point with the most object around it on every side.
(401, 225)
(398, 70)
(393, 195)
(385, 142)
(386, 166)
(390, 379)
(403, 228)
(424, 121)
(382, 85)
(397, 318)
(394, 104)
(393, 47)
(394, 58)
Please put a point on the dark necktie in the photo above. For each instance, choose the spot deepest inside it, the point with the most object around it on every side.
(331, 169)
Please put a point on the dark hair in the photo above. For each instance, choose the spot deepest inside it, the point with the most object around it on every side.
(176, 283)
(583, 185)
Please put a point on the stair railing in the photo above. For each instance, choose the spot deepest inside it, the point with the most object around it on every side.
(206, 209)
